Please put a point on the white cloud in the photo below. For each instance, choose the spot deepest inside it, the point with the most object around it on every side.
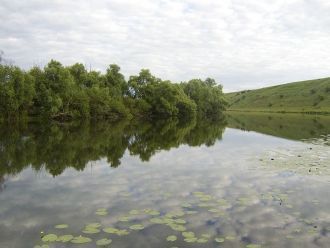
(242, 44)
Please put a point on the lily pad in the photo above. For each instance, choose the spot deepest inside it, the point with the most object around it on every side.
(171, 238)
(102, 242)
(253, 246)
(219, 240)
(81, 240)
(61, 226)
(91, 230)
(93, 225)
(202, 240)
(49, 238)
(64, 238)
(101, 212)
(188, 234)
(137, 227)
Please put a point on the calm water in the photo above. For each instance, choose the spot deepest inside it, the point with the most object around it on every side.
(244, 181)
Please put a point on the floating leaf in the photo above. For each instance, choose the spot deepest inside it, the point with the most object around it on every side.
(64, 238)
(111, 230)
(102, 242)
(188, 234)
(90, 230)
(253, 246)
(137, 227)
(219, 240)
(61, 226)
(202, 240)
(124, 219)
(134, 212)
(93, 225)
(49, 238)
(171, 238)
(230, 238)
(190, 240)
(80, 240)
(101, 212)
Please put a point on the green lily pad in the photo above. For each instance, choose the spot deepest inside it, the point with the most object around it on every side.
(49, 238)
(124, 219)
(137, 227)
(110, 230)
(61, 226)
(80, 240)
(177, 227)
(93, 225)
(171, 238)
(253, 246)
(202, 240)
(101, 212)
(64, 238)
(191, 240)
(219, 240)
(188, 234)
(134, 212)
(90, 230)
(102, 242)
(113, 230)
(230, 238)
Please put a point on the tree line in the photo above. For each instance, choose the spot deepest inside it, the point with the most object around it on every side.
(73, 92)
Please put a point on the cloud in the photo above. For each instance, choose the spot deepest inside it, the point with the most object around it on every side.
(242, 44)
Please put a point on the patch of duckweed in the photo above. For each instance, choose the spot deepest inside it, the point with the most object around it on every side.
(49, 238)
(64, 238)
(103, 242)
(81, 240)
(171, 238)
(61, 226)
(136, 227)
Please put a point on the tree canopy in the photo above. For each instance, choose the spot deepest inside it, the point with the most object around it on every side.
(72, 92)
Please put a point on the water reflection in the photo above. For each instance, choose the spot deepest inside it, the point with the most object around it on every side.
(288, 126)
(55, 146)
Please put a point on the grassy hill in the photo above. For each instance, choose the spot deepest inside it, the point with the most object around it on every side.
(311, 96)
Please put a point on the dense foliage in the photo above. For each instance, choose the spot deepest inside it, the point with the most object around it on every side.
(72, 92)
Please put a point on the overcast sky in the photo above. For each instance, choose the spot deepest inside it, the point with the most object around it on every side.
(241, 43)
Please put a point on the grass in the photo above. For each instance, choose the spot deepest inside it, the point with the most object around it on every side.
(311, 96)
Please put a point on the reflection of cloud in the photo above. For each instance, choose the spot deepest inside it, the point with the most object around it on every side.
(242, 44)
(35, 202)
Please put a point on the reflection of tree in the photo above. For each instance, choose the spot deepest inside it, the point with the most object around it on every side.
(289, 126)
(56, 147)
(2, 183)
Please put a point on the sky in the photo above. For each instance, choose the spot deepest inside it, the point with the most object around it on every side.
(242, 44)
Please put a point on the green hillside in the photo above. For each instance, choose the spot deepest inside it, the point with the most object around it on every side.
(311, 96)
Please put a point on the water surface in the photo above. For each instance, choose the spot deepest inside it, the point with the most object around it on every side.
(242, 181)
